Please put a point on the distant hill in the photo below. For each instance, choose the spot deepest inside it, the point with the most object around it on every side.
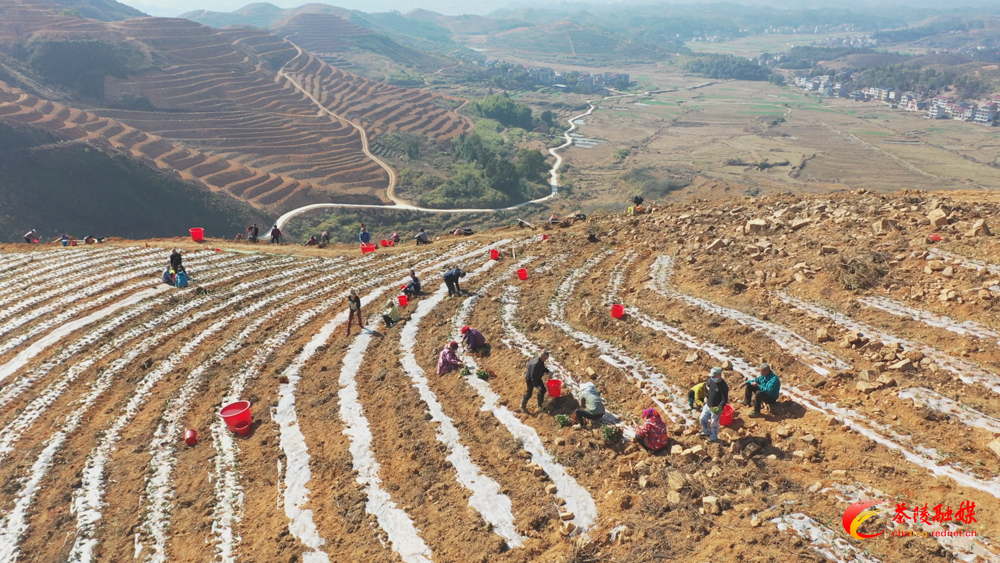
(260, 14)
(103, 10)
(568, 39)
(466, 24)
(83, 188)
(326, 34)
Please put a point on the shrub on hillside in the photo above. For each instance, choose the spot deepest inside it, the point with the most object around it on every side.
(83, 65)
(503, 109)
(862, 270)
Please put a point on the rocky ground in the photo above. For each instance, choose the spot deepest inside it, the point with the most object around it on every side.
(875, 310)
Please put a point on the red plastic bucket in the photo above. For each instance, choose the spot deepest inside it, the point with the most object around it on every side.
(726, 418)
(545, 237)
(617, 311)
(384, 242)
(522, 274)
(197, 234)
(190, 436)
(235, 413)
(403, 300)
(555, 388)
(243, 428)
(366, 248)
(494, 254)
(391, 243)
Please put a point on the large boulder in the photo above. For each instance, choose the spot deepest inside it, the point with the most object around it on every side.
(938, 217)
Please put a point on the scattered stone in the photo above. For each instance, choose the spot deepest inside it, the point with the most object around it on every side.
(867, 375)
(591, 372)
(883, 226)
(815, 488)
(799, 223)
(994, 446)
(566, 516)
(560, 441)
(643, 482)
(938, 217)
(809, 439)
(838, 473)
(902, 365)
(784, 431)
(886, 380)
(675, 480)
(691, 358)
(827, 249)
(727, 365)
(979, 229)
(867, 386)
(551, 489)
(676, 449)
(755, 226)
(823, 335)
(711, 505)
(715, 244)
(673, 497)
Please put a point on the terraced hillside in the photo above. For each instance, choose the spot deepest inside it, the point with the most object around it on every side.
(244, 111)
(359, 451)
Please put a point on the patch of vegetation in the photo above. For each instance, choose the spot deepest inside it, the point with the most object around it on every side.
(83, 190)
(483, 175)
(727, 67)
(83, 65)
(402, 78)
(925, 81)
(611, 434)
(506, 111)
(483, 374)
(563, 420)
(861, 270)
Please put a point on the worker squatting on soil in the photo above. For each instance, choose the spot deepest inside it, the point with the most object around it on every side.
(422, 238)
(763, 389)
(312, 241)
(448, 360)
(30, 236)
(451, 279)
(533, 379)
(472, 339)
(412, 289)
(391, 316)
(652, 435)
(716, 398)
(591, 405)
(354, 308)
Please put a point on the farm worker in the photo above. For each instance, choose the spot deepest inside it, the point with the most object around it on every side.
(391, 316)
(472, 338)
(652, 435)
(312, 241)
(696, 395)
(168, 276)
(275, 235)
(394, 238)
(533, 379)
(448, 361)
(181, 279)
(715, 401)
(29, 237)
(451, 279)
(554, 219)
(354, 308)
(65, 240)
(365, 237)
(763, 389)
(591, 405)
(175, 260)
(422, 238)
(412, 288)
(89, 240)
(637, 200)
(325, 237)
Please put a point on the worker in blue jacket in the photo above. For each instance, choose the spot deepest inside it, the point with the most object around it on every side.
(451, 279)
(365, 237)
(763, 389)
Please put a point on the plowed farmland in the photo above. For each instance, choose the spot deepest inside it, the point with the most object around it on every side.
(883, 336)
(246, 112)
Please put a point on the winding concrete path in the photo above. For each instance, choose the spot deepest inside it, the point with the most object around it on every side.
(400, 204)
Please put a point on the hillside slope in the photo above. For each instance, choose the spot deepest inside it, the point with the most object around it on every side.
(357, 450)
(245, 111)
(83, 188)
